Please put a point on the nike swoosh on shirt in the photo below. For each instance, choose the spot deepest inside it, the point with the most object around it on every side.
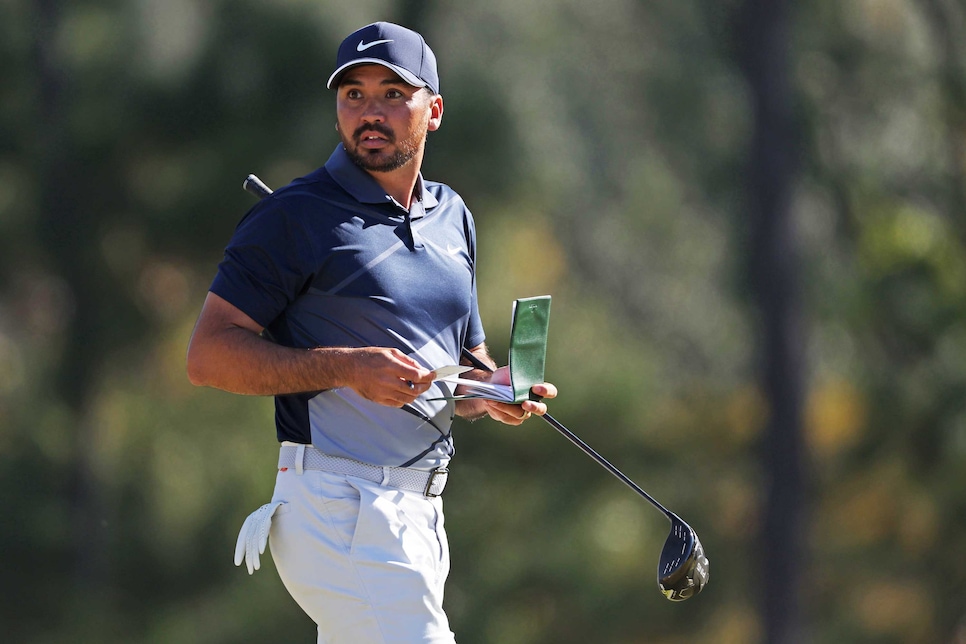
(362, 46)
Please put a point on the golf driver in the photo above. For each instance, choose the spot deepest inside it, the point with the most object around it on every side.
(683, 570)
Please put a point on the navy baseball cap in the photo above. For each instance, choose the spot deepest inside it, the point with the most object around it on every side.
(383, 43)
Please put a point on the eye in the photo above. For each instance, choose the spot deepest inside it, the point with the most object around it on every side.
(353, 94)
(394, 93)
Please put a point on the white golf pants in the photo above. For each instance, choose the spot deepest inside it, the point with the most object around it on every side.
(367, 563)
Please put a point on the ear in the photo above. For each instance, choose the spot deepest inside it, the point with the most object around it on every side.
(435, 113)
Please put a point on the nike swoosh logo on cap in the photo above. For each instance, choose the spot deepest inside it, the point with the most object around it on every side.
(362, 46)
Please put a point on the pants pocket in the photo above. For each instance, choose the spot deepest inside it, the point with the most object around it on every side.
(340, 505)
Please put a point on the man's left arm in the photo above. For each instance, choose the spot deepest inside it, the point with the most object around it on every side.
(508, 413)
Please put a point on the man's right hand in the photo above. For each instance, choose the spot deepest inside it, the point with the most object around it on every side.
(386, 376)
(227, 352)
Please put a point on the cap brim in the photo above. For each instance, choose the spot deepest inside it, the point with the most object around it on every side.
(404, 74)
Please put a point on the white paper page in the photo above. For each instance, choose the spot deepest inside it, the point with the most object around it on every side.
(483, 389)
(450, 371)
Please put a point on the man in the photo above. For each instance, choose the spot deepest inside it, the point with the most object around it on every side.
(341, 294)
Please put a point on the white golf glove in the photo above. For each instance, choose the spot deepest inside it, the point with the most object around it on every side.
(254, 536)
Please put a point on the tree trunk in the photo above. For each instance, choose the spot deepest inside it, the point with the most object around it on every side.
(775, 278)
(68, 239)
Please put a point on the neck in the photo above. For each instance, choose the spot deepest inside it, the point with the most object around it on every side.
(399, 184)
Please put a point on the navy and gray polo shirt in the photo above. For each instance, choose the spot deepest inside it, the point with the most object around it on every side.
(332, 260)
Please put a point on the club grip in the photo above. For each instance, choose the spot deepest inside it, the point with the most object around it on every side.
(256, 186)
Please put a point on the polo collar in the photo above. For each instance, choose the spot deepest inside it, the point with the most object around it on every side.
(360, 184)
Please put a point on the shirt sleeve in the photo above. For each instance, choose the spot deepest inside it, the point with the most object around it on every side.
(475, 335)
(266, 264)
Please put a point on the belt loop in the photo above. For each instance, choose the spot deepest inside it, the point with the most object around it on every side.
(300, 459)
(385, 475)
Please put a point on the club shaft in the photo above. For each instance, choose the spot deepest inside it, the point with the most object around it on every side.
(587, 449)
(255, 186)
(603, 462)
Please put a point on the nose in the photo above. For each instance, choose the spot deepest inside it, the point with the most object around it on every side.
(373, 112)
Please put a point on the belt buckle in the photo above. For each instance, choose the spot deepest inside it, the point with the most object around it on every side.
(432, 479)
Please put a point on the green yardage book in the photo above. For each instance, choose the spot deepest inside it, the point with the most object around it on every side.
(528, 355)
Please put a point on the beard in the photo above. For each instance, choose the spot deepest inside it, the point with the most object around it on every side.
(378, 160)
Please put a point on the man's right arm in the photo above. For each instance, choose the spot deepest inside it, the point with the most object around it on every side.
(227, 351)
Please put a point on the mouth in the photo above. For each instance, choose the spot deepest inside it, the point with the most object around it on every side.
(372, 140)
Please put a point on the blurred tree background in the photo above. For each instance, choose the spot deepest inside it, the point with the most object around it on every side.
(750, 216)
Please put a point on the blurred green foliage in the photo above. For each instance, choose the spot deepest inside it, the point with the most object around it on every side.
(601, 147)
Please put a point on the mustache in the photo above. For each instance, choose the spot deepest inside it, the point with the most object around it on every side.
(378, 128)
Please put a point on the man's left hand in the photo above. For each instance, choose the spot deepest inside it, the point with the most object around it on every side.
(514, 414)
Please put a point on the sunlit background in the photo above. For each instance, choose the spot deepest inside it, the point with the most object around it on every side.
(607, 150)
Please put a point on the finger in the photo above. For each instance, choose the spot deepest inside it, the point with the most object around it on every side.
(406, 391)
(419, 376)
(251, 553)
(406, 360)
(254, 562)
(410, 370)
(394, 400)
(534, 407)
(263, 534)
(501, 376)
(507, 413)
(545, 390)
(242, 541)
(267, 526)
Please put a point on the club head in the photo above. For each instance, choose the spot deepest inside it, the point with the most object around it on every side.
(684, 569)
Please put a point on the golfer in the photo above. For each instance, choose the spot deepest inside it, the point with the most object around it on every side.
(340, 295)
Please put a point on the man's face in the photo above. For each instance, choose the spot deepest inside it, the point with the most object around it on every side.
(382, 119)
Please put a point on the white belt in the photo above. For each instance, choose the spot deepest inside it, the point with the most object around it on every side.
(308, 457)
